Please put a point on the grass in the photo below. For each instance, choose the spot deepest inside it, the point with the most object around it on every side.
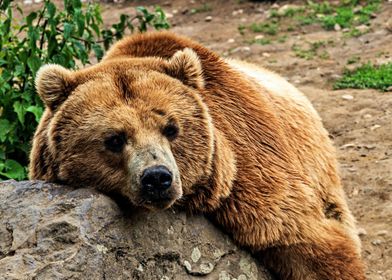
(311, 52)
(202, 9)
(262, 41)
(367, 76)
(347, 14)
(344, 17)
(353, 60)
(269, 28)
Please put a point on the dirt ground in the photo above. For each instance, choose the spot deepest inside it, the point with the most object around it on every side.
(359, 121)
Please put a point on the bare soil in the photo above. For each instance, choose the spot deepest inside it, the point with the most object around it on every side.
(361, 127)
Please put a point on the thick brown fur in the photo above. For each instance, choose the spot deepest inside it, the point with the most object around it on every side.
(254, 158)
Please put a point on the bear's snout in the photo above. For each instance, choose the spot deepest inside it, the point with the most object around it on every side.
(156, 178)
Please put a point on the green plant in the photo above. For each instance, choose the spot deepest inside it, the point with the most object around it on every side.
(353, 60)
(310, 52)
(320, 8)
(351, 14)
(343, 17)
(269, 28)
(367, 76)
(262, 41)
(241, 29)
(290, 12)
(282, 39)
(346, 14)
(202, 9)
(69, 37)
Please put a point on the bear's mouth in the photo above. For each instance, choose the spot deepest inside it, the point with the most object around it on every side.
(158, 199)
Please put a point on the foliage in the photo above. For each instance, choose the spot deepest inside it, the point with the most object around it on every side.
(312, 51)
(202, 9)
(367, 76)
(69, 36)
(264, 27)
(347, 14)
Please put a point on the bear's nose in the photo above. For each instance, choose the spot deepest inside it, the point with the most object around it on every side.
(156, 177)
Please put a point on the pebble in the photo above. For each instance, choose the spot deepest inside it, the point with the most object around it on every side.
(258, 37)
(188, 266)
(208, 18)
(337, 27)
(231, 40)
(357, 9)
(336, 76)
(349, 145)
(265, 54)
(206, 268)
(367, 116)
(374, 127)
(388, 25)
(237, 12)
(286, 7)
(347, 97)
(362, 232)
(275, 6)
(362, 28)
(382, 233)
(389, 88)
(376, 242)
(369, 147)
(241, 49)
(196, 255)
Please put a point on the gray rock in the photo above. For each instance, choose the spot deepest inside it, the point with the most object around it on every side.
(56, 232)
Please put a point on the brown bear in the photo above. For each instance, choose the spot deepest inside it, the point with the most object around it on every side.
(163, 120)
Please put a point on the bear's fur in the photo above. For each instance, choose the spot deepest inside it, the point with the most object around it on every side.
(251, 152)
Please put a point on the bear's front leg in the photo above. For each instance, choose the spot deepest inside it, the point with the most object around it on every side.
(331, 255)
(293, 245)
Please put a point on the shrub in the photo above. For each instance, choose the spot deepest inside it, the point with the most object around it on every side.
(367, 76)
(69, 36)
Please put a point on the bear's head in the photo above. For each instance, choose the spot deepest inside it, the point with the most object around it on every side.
(135, 126)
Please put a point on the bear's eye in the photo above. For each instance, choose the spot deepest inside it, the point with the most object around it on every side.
(115, 143)
(170, 131)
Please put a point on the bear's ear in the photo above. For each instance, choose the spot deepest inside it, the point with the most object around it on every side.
(54, 83)
(185, 65)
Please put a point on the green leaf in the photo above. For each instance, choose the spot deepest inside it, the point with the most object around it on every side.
(4, 4)
(51, 9)
(34, 64)
(98, 51)
(32, 37)
(80, 22)
(20, 111)
(36, 110)
(68, 28)
(13, 170)
(29, 19)
(5, 128)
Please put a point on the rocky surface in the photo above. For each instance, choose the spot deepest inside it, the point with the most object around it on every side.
(55, 232)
